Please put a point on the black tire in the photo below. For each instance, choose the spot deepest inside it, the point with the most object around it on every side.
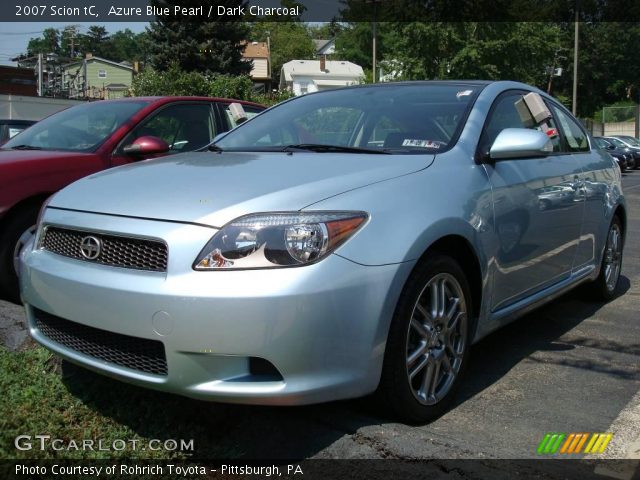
(396, 390)
(604, 289)
(14, 227)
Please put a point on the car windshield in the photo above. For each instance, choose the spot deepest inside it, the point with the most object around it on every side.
(617, 142)
(602, 143)
(391, 118)
(631, 141)
(82, 128)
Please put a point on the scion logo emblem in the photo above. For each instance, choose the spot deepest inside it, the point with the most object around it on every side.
(90, 247)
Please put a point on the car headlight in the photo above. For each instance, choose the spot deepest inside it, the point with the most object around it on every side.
(267, 240)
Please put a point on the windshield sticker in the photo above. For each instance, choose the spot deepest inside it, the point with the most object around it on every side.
(409, 142)
(464, 93)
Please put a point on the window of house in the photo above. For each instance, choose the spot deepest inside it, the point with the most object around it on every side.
(102, 73)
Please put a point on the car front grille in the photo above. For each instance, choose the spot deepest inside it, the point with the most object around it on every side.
(114, 250)
(139, 354)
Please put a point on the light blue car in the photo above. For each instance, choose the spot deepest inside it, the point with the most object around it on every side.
(341, 243)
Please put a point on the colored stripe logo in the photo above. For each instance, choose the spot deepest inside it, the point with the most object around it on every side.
(593, 443)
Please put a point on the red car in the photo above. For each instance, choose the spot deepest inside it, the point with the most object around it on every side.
(87, 138)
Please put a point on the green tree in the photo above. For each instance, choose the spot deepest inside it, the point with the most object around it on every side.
(96, 41)
(207, 46)
(608, 64)
(474, 50)
(326, 30)
(49, 42)
(127, 45)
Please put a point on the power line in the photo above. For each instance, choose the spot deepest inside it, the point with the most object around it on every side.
(21, 33)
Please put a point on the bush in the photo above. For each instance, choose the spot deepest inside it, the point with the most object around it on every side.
(175, 82)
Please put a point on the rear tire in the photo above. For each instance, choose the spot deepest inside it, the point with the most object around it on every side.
(604, 287)
(428, 343)
(15, 229)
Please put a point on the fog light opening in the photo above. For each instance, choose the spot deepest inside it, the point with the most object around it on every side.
(263, 370)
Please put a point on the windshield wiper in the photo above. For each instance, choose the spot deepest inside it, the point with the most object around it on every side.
(320, 148)
(26, 147)
(214, 148)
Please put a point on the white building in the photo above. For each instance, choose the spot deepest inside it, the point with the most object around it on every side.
(306, 76)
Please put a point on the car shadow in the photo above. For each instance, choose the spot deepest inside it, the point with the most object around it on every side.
(255, 432)
(540, 331)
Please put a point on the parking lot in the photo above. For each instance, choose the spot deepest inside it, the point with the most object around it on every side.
(572, 366)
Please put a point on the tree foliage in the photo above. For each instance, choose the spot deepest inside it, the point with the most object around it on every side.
(123, 45)
(173, 81)
(206, 46)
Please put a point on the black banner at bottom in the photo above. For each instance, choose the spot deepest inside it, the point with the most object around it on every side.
(321, 469)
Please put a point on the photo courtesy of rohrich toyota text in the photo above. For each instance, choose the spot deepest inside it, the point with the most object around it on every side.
(320, 239)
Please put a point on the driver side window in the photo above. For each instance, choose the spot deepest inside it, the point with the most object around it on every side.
(184, 127)
(505, 114)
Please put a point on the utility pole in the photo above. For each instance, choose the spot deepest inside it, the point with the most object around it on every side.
(269, 59)
(374, 53)
(40, 74)
(374, 34)
(574, 102)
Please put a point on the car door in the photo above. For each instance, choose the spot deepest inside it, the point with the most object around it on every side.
(597, 174)
(537, 209)
(185, 126)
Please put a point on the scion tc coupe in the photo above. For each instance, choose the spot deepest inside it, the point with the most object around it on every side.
(341, 243)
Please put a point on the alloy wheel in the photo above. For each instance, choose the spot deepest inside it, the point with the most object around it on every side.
(613, 257)
(436, 339)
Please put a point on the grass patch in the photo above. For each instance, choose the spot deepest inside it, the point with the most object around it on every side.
(41, 395)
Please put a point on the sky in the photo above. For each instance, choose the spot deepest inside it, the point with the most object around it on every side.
(14, 37)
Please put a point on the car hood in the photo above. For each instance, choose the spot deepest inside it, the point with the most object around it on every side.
(214, 188)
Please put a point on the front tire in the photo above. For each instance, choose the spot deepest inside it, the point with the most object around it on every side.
(428, 342)
(16, 233)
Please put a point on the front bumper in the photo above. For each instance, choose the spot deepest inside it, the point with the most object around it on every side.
(322, 326)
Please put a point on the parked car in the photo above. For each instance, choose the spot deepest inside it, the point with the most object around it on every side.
(622, 144)
(88, 138)
(342, 242)
(9, 128)
(623, 157)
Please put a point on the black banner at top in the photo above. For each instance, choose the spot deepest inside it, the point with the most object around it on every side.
(321, 10)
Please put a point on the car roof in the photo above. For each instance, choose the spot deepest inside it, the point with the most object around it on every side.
(168, 99)
(15, 121)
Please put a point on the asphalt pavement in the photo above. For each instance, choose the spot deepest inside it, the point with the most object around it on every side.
(571, 366)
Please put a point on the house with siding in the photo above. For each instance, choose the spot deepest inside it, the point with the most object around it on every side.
(95, 77)
(258, 54)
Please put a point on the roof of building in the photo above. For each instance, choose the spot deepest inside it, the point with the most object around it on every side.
(102, 60)
(256, 50)
(333, 68)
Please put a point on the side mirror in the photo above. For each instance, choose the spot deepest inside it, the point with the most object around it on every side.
(147, 145)
(611, 147)
(513, 143)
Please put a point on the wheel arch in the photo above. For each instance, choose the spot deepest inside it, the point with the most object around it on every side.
(29, 202)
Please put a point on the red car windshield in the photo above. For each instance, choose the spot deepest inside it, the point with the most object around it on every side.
(82, 128)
